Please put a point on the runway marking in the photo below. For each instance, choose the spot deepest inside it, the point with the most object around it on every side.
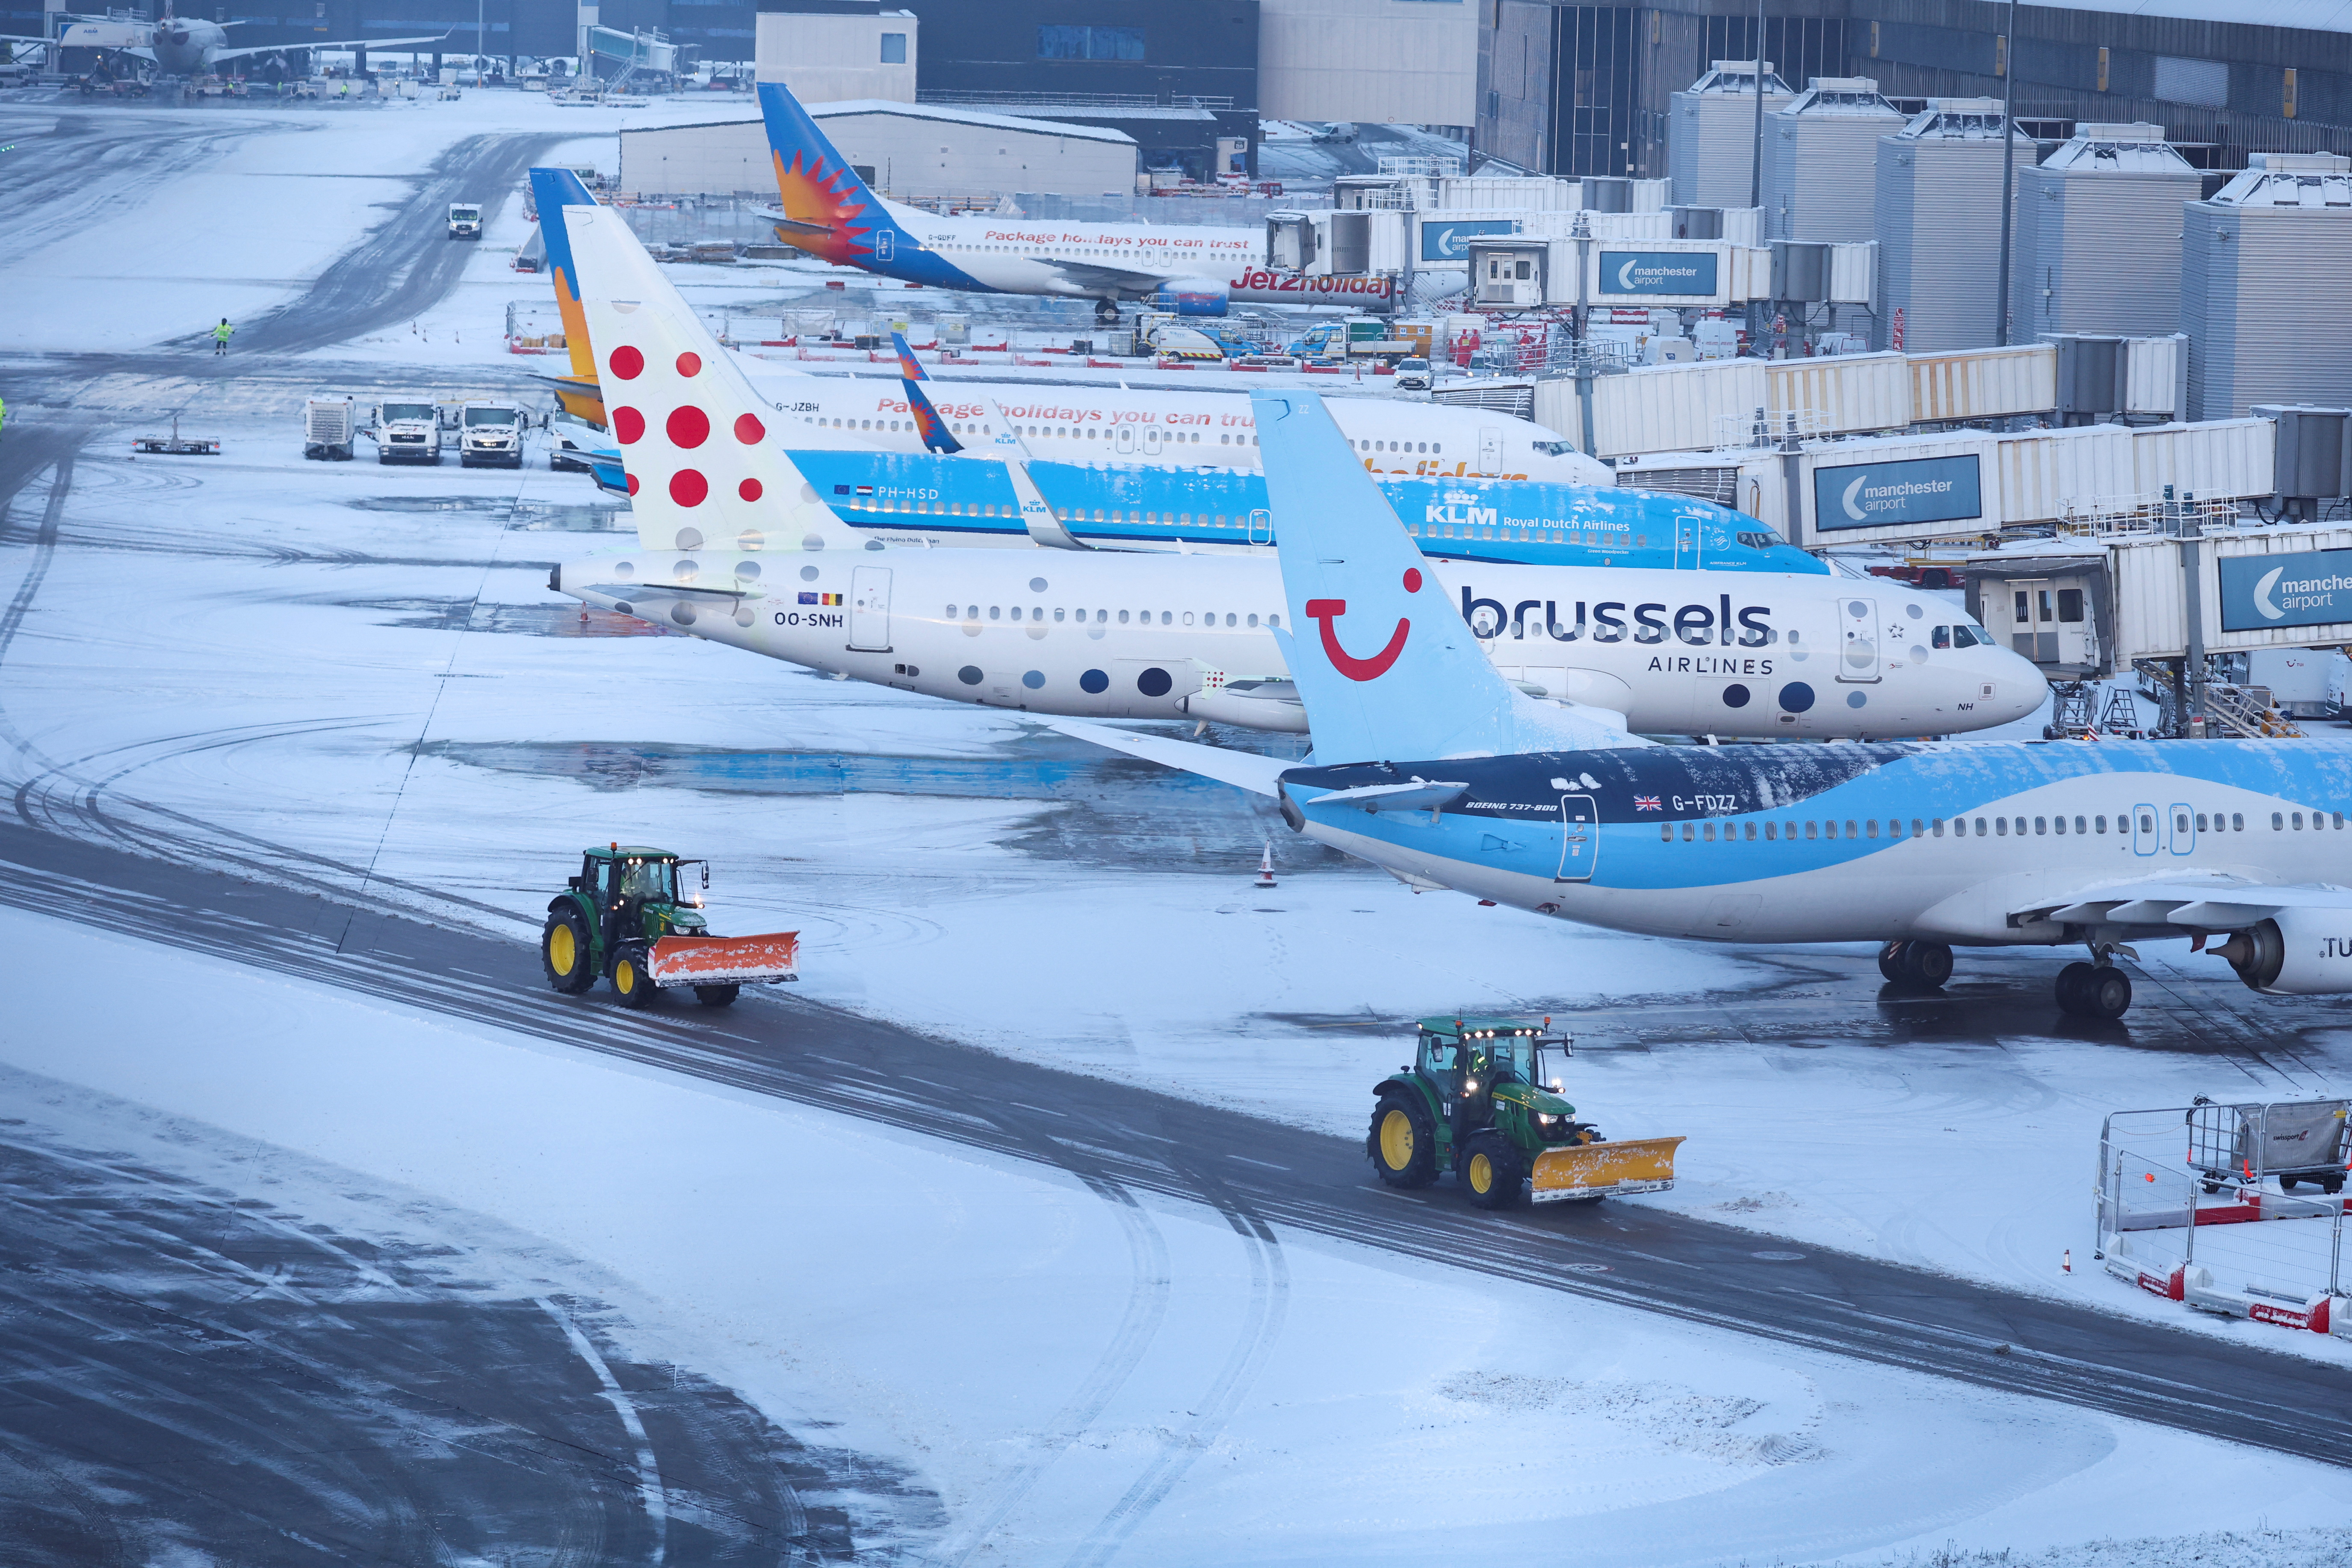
(649, 1481)
(1245, 1160)
(1040, 1110)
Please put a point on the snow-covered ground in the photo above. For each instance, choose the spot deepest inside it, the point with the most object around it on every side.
(364, 665)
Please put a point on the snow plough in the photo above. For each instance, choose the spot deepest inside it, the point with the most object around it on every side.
(633, 916)
(1482, 1099)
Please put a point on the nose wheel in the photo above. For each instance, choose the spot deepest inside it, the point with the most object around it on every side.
(2093, 991)
(1918, 966)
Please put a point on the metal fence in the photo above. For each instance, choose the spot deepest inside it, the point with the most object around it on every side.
(2207, 1204)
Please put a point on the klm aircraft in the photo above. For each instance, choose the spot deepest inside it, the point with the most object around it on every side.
(1430, 765)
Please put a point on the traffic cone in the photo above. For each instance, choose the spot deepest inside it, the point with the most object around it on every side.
(2068, 1262)
(1265, 867)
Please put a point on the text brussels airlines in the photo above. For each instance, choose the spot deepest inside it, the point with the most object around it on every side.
(2309, 588)
(1874, 495)
(1673, 272)
(1716, 624)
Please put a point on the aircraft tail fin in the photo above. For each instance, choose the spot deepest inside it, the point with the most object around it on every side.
(552, 190)
(828, 210)
(1387, 666)
(910, 367)
(928, 423)
(705, 466)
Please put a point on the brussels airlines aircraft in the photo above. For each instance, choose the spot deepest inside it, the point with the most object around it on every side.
(830, 214)
(1167, 637)
(1432, 766)
(192, 46)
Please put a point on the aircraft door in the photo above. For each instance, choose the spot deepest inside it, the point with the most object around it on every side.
(869, 608)
(1686, 544)
(884, 243)
(1580, 838)
(2184, 827)
(1151, 440)
(1858, 639)
(2147, 837)
(1124, 438)
(1490, 450)
(1261, 526)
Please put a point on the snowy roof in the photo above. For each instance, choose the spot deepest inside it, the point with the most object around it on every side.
(2316, 179)
(2320, 15)
(2133, 149)
(1850, 97)
(968, 117)
(1958, 119)
(1738, 76)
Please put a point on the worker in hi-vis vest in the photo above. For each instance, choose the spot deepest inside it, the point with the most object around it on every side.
(220, 336)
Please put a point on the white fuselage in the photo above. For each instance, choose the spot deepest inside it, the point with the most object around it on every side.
(1176, 429)
(1106, 635)
(1019, 256)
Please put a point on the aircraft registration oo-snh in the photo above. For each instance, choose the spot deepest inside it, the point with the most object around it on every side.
(1143, 634)
(1430, 765)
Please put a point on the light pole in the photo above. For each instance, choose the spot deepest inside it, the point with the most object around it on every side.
(2008, 169)
(1756, 167)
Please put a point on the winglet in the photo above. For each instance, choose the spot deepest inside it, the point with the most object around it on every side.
(551, 191)
(934, 429)
(910, 367)
(1387, 666)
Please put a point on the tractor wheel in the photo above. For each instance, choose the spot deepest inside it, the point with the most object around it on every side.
(565, 952)
(1490, 1169)
(717, 995)
(631, 983)
(1402, 1143)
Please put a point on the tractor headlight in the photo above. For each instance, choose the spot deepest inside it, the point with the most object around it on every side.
(1469, 1086)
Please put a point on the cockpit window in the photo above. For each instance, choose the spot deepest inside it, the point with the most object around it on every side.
(1760, 538)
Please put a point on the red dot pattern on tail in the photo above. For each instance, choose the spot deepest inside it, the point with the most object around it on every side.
(633, 484)
(749, 489)
(689, 426)
(747, 428)
(627, 363)
(689, 364)
(688, 487)
(1413, 579)
(629, 426)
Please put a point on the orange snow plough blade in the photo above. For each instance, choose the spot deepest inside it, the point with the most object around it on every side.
(1602, 1170)
(725, 959)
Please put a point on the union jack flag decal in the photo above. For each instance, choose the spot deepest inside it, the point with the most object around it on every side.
(1647, 802)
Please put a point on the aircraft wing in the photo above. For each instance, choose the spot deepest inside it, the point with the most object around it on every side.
(1092, 275)
(2202, 903)
(1243, 770)
(236, 54)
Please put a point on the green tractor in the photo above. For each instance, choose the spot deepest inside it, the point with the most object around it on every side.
(634, 917)
(1482, 1099)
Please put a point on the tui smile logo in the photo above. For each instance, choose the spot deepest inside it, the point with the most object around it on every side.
(1323, 612)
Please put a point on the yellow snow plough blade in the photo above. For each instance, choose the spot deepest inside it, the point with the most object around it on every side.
(1602, 1170)
(724, 959)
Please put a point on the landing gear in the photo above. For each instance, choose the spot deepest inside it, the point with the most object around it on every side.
(2093, 991)
(1916, 965)
(1107, 312)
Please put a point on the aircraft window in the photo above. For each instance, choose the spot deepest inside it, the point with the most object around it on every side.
(2041, 826)
(1937, 827)
(1918, 829)
(1940, 638)
(1274, 620)
(1640, 542)
(2078, 825)
(2021, 827)
(1122, 617)
(1221, 519)
(1769, 833)
(1690, 834)
(1872, 828)
(1102, 615)
(2000, 826)
(992, 613)
(2339, 819)
(1813, 830)
(1252, 620)
(1168, 619)
(2237, 823)
(2200, 822)
(1750, 833)
(2181, 822)
(1709, 833)
(2099, 824)
(971, 612)
(2058, 824)
(1188, 617)
(1057, 614)
(1980, 827)
(1223, 440)
(1665, 833)
(1850, 833)
(1232, 620)
(2299, 822)
(1014, 613)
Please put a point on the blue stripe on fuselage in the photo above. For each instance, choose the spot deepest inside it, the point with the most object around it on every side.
(1510, 817)
(1452, 519)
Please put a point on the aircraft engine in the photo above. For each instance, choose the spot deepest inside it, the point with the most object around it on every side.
(2297, 953)
(1193, 296)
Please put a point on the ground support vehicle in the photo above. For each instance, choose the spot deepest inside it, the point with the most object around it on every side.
(1482, 1099)
(464, 220)
(176, 445)
(407, 430)
(633, 916)
(489, 435)
(327, 428)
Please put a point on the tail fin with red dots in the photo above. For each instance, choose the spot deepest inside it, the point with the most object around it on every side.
(703, 451)
(1386, 663)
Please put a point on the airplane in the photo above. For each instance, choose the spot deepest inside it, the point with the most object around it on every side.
(1178, 470)
(190, 46)
(1433, 766)
(830, 212)
(735, 547)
